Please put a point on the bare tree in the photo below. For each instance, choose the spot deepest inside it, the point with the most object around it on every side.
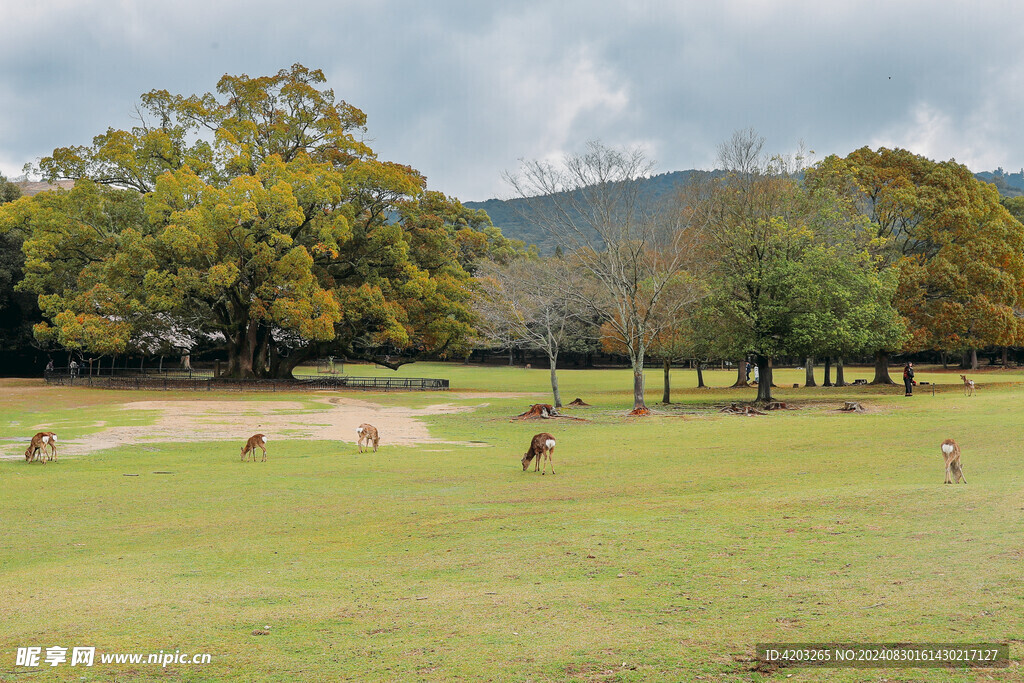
(533, 301)
(497, 321)
(593, 206)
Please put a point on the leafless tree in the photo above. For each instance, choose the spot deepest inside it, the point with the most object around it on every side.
(533, 302)
(634, 250)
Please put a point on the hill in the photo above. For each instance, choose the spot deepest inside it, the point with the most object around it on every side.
(1008, 184)
(509, 214)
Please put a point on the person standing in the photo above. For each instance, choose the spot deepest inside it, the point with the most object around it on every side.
(908, 378)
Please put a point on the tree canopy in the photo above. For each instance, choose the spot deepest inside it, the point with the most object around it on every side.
(957, 251)
(790, 274)
(257, 216)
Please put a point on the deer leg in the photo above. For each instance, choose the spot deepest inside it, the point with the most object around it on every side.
(536, 462)
(551, 459)
(264, 454)
(949, 479)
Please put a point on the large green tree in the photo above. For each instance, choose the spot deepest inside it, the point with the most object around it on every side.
(257, 216)
(790, 271)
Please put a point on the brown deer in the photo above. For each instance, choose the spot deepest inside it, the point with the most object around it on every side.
(968, 386)
(255, 441)
(542, 447)
(954, 470)
(367, 434)
(37, 447)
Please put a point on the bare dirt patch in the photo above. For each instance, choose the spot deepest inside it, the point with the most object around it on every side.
(200, 420)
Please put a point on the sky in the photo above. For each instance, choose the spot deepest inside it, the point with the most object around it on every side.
(465, 90)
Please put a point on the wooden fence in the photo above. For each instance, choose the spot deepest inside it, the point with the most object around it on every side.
(205, 381)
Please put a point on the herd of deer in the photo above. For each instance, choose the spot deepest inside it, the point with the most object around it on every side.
(542, 447)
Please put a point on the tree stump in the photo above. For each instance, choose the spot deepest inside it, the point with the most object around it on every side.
(779, 405)
(538, 410)
(579, 402)
(544, 411)
(852, 407)
(735, 409)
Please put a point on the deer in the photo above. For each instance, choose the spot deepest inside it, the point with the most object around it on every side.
(951, 454)
(541, 448)
(968, 386)
(255, 441)
(37, 447)
(367, 434)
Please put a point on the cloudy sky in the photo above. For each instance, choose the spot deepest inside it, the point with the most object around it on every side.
(462, 90)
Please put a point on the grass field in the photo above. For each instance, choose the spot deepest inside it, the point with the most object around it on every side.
(664, 548)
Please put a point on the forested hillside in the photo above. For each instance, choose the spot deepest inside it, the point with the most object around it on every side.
(509, 214)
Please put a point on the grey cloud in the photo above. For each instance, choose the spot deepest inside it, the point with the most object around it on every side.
(461, 90)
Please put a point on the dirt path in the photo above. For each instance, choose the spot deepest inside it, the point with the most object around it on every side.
(197, 420)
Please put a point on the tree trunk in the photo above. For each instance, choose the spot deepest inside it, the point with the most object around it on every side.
(974, 359)
(639, 407)
(511, 357)
(1006, 357)
(840, 380)
(764, 379)
(741, 375)
(282, 368)
(945, 360)
(667, 396)
(700, 376)
(553, 359)
(242, 348)
(828, 372)
(810, 373)
(882, 368)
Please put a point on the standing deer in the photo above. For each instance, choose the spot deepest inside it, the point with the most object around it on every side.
(37, 447)
(367, 434)
(968, 386)
(255, 441)
(541, 448)
(954, 470)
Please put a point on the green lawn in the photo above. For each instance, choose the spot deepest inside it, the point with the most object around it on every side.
(665, 547)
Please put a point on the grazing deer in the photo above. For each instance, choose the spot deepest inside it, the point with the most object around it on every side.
(968, 386)
(367, 434)
(255, 441)
(541, 448)
(37, 447)
(954, 470)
